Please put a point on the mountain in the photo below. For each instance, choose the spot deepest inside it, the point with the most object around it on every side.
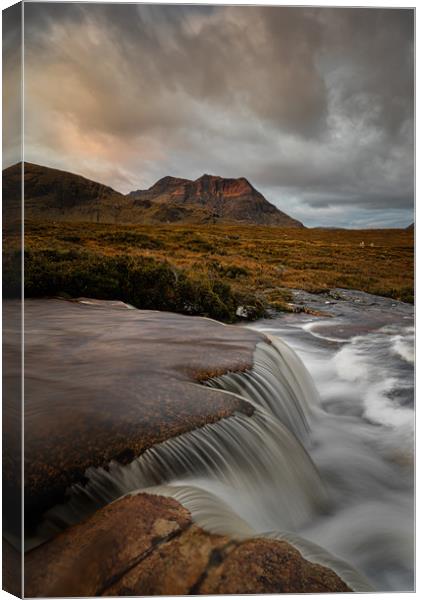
(57, 195)
(411, 227)
(210, 199)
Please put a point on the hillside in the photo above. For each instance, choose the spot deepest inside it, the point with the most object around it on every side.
(56, 195)
(60, 196)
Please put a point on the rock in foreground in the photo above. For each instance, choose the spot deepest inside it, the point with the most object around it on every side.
(148, 545)
(103, 382)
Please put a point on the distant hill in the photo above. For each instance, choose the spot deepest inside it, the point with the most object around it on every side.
(63, 196)
(410, 227)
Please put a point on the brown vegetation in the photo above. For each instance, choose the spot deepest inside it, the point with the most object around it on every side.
(263, 263)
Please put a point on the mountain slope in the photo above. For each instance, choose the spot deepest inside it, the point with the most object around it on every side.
(61, 196)
(51, 194)
(211, 199)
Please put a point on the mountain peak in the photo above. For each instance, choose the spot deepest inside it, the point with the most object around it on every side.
(208, 176)
(226, 185)
(58, 195)
(211, 199)
(168, 180)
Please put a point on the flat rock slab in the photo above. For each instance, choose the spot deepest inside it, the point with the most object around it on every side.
(105, 382)
(148, 545)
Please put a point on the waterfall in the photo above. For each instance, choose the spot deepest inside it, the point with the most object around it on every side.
(243, 476)
(312, 471)
(278, 382)
(207, 510)
(256, 458)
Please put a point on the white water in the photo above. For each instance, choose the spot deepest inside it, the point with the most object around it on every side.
(362, 440)
(325, 462)
(279, 383)
(255, 458)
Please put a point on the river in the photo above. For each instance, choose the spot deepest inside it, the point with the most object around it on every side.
(326, 461)
(361, 359)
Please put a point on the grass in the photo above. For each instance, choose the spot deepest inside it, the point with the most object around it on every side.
(211, 270)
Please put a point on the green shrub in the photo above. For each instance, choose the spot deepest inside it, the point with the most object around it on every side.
(213, 300)
(12, 278)
(141, 281)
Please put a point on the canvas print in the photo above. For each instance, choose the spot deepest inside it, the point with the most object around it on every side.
(208, 299)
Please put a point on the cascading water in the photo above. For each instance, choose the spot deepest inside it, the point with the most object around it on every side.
(317, 466)
(279, 383)
(256, 458)
(208, 511)
(362, 437)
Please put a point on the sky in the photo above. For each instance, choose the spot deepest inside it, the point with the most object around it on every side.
(314, 106)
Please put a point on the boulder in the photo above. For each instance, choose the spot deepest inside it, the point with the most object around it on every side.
(148, 545)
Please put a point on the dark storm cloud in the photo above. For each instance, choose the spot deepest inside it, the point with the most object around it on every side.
(315, 106)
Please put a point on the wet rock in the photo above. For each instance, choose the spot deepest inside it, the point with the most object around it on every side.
(261, 566)
(182, 563)
(89, 557)
(248, 312)
(103, 382)
(148, 545)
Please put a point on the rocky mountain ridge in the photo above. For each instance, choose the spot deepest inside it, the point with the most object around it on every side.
(51, 194)
(217, 198)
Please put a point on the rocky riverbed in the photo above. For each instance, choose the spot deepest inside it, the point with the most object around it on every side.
(226, 443)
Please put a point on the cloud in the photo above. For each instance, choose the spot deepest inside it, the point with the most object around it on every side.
(12, 85)
(311, 104)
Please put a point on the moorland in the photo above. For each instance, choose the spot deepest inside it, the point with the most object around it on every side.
(209, 270)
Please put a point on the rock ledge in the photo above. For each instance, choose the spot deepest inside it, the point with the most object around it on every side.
(148, 545)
